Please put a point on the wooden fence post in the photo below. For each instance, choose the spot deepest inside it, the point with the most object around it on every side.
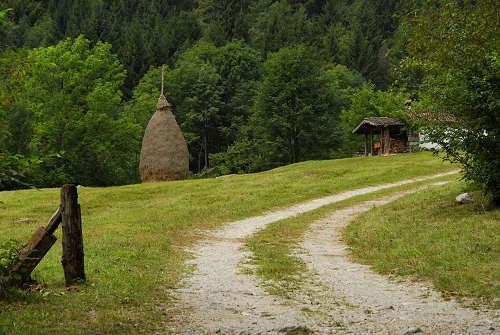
(72, 240)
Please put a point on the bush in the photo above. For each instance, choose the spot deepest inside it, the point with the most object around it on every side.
(8, 254)
(18, 171)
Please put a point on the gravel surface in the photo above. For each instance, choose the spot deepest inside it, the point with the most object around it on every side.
(340, 297)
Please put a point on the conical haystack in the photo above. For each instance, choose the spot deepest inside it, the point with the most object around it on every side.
(164, 153)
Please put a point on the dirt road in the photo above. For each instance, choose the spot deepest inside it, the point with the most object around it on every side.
(340, 297)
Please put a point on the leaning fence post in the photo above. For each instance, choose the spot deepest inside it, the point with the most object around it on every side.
(72, 240)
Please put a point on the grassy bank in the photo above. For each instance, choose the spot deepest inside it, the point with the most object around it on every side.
(136, 236)
(429, 237)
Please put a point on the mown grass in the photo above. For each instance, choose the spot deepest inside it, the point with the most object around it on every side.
(274, 248)
(429, 237)
(136, 238)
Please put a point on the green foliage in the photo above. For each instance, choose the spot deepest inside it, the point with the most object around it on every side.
(296, 111)
(145, 33)
(247, 154)
(144, 97)
(74, 87)
(71, 92)
(225, 20)
(13, 172)
(286, 101)
(18, 21)
(8, 253)
(294, 107)
(195, 88)
(278, 24)
(212, 89)
(3, 14)
(15, 119)
(454, 54)
(18, 171)
(142, 32)
(239, 67)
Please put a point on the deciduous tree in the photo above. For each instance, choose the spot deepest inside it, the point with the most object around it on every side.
(453, 46)
(73, 92)
(294, 107)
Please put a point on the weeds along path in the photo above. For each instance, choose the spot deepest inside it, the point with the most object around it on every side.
(218, 298)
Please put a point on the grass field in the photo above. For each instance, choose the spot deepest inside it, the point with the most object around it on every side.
(137, 238)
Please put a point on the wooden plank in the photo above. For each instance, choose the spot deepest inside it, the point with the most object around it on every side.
(54, 222)
(29, 257)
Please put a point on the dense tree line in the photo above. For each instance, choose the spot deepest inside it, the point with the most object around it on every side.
(143, 33)
(256, 83)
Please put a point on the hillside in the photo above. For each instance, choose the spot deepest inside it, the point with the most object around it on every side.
(137, 237)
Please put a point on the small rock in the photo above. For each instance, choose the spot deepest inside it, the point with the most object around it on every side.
(413, 331)
(464, 198)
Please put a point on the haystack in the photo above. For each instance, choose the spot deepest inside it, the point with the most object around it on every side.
(164, 153)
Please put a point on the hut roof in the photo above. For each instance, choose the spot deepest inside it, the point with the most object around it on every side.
(376, 123)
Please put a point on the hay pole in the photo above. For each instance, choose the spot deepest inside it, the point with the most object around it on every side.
(162, 69)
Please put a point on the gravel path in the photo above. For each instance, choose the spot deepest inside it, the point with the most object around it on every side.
(363, 302)
(219, 299)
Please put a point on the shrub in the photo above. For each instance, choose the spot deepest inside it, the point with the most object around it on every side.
(8, 253)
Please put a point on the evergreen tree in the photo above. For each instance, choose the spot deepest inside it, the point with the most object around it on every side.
(224, 20)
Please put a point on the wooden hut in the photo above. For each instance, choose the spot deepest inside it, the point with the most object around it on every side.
(390, 135)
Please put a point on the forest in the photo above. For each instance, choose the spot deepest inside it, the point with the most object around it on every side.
(256, 84)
